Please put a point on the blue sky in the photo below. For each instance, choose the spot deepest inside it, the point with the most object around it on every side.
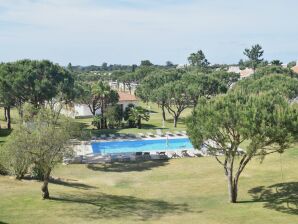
(127, 31)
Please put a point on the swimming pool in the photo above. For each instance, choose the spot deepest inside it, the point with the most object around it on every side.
(141, 145)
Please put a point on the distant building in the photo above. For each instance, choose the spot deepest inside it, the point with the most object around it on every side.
(182, 66)
(243, 73)
(123, 87)
(82, 110)
(295, 68)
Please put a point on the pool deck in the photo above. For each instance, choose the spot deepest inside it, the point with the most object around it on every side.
(119, 139)
(84, 152)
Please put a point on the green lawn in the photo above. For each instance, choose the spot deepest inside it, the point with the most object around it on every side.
(188, 190)
(178, 191)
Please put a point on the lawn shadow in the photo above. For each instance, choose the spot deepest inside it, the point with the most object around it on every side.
(73, 184)
(181, 120)
(128, 166)
(64, 182)
(149, 126)
(5, 133)
(282, 197)
(3, 222)
(115, 206)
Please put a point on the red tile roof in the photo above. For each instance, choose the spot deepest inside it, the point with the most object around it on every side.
(126, 97)
(295, 68)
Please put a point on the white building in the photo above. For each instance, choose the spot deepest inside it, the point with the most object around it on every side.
(82, 110)
(243, 73)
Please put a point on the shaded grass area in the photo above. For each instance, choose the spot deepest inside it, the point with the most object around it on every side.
(133, 166)
(187, 190)
(282, 197)
(4, 133)
(114, 206)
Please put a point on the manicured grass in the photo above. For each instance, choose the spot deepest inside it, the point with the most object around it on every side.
(189, 190)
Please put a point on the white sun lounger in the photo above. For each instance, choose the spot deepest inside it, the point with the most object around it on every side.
(150, 134)
(159, 133)
(103, 136)
(141, 135)
(179, 133)
(169, 133)
(123, 135)
(112, 136)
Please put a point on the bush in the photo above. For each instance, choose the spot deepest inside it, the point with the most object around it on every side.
(3, 169)
(97, 121)
(114, 116)
(16, 153)
(126, 115)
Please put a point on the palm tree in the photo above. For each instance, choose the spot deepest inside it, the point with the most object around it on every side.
(105, 96)
(137, 114)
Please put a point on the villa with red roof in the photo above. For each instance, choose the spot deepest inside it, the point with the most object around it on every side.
(82, 110)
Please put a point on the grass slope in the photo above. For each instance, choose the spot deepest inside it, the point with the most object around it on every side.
(190, 190)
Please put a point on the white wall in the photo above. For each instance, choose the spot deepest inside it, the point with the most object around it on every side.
(82, 110)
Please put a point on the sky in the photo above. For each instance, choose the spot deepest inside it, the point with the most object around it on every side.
(86, 32)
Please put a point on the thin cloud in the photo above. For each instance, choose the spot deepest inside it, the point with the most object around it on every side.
(127, 31)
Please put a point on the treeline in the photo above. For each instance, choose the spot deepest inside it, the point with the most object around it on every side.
(105, 67)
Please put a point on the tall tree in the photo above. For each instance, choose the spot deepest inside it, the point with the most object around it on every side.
(203, 85)
(198, 59)
(36, 82)
(96, 96)
(254, 55)
(267, 122)
(276, 62)
(176, 97)
(7, 91)
(146, 63)
(148, 90)
(170, 64)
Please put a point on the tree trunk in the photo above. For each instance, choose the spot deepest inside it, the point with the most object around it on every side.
(103, 120)
(44, 188)
(175, 121)
(8, 118)
(232, 187)
(129, 88)
(163, 112)
(139, 124)
(5, 113)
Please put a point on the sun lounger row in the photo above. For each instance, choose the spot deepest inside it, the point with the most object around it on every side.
(159, 133)
(114, 136)
(140, 156)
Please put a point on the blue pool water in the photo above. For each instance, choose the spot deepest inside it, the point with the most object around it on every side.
(141, 145)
